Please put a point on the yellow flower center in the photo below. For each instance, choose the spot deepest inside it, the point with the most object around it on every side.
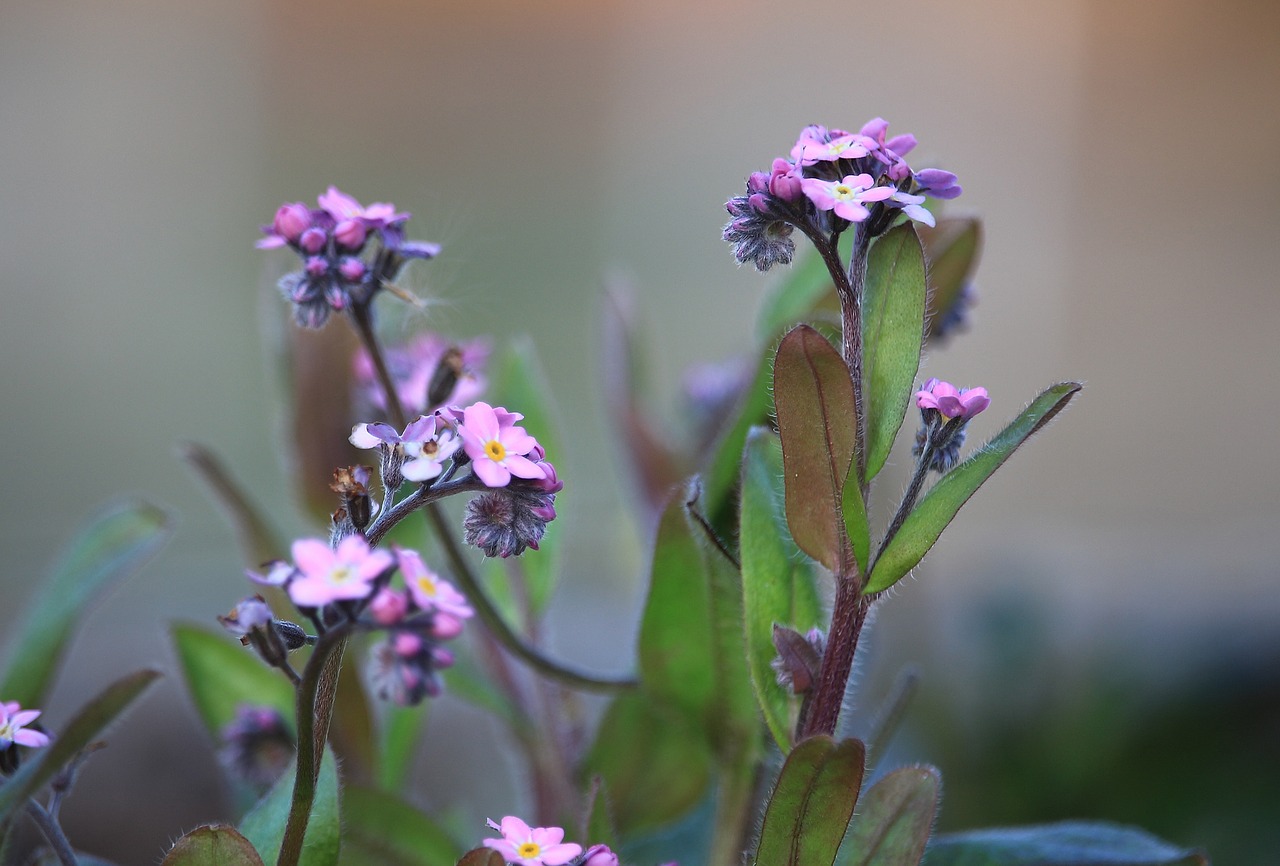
(427, 585)
(844, 192)
(528, 850)
(494, 450)
(341, 574)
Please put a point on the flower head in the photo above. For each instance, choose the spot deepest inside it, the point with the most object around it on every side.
(428, 590)
(848, 197)
(758, 238)
(13, 727)
(496, 446)
(532, 846)
(326, 575)
(951, 402)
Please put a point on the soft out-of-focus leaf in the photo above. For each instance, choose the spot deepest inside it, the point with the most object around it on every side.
(1070, 843)
(692, 655)
(401, 729)
(894, 821)
(656, 766)
(926, 522)
(112, 547)
(89, 722)
(892, 335)
(813, 395)
(264, 825)
(212, 845)
(952, 249)
(482, 857)
(778, 585)
(806, 287)
(380, 829)
(657, 467)
(811, 803)
(721, 473)
(319, 373)
(469, 682)
(599, 827)
(221, 676)
(258, 541)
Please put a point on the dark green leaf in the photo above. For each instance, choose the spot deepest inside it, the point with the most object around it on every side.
(221, 676)
(813, 395)
(655, 765)
(896, 818)
(87, 725)
(482, 857)
(109, 549)
(720, 475)
(778, 585)
(924, 524)
(811, 803)
(892, 334)
(1071, 843)
(952, 251)
(401, 729)
(213, 845)
(383, 830)
(265, 823)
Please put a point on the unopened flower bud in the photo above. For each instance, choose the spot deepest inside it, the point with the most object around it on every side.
(442, 658)
(445, 626)
(316, 266)
(352, 269)
(292, 220)
(256, 746)
(350, 234)
(600, 855)
(388, 607)
(293, 635)
(406, 644)
(250, 613)
(312, 240)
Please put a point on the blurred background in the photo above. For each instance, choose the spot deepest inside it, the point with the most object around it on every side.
(1096, 633)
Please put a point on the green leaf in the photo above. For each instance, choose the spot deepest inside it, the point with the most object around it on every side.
(856, 525)
(212, 845)
(813, 395)
(87, 725)
(482, 857)
(106, 551)
(896, 818)
(1070, 843)
(778, 583)
(221, 676)
(926, 522)
(656, 766)
(265, 823)
(599, 827)
(468, 681)
(892, 335)
(401, 729)
(951, 249)
(720, 474)
(380, 829)
(692, 655)
(811, 803)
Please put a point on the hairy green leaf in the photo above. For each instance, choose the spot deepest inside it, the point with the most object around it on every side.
(221, 676)
(1070, 843)
(811, 803)
(926, 522)
(895, 821)
(380, 829)
(264, 825)
(212, 845)
(952, 251)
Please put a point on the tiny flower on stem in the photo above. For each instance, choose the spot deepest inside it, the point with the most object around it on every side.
(13, 727)
(327, 575)
(950, 401)
(429, 591)
(496, 446)
(849, 197)
(532, 846)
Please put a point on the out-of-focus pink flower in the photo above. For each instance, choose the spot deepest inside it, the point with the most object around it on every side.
(429, 372)
(849, 197)
(950, 401)
(846, 146)
(429, 591)
(532, 846)
(13, 727)
(389, 607)
(252, 612)
(496, 446)
(342, 207)
(277, 573)
(327, 575)
(600, 855)
(428, 441)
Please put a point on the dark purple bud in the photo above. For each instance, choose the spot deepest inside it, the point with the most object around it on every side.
(316, 266)
(799, 658)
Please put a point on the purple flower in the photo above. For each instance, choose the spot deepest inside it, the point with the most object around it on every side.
(911, 206)
(599, 855)
(13, 727)
(427, 441)
(532, 846)
(951, 402)
(937, 183)
(849, 197)
(327, 575)
(431, 593)
(429, 372)
(496, 446)
(252, 612)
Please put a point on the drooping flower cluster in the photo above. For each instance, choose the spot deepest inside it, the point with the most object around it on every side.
(348, 252)
(944, 412)
(833, 179)
(429, 372)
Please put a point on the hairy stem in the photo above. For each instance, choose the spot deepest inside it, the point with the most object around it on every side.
(837, 662)
(52, 832)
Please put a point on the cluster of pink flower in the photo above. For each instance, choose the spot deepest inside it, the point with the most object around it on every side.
(945, 410)
(339, 265)
(833, 178)
(545, 846)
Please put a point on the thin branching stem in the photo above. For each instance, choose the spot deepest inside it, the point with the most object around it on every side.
(52, 832)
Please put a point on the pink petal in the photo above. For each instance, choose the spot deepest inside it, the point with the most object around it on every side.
(512, 827)
(422, 468)
(352, 550)
(516, 441)
(31, 739)
(312, 556)
(270, 242)
(25, 717)
(523, 467)
(492, 474)
(547, 837)
(481, 420)
(373, 565)
(558, 855)
(310, 592)
(339, 204)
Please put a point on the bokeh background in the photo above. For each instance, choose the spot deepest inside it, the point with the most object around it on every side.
(1097, 632)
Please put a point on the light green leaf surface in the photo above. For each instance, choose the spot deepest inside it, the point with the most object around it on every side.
(221, 676)
(264, 825)
(212, 845)
(1070, 843)
(894, 821)
(811, 803)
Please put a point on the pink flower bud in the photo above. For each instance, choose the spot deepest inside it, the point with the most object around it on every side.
(407, 644)
(291, 221)
(442, 657)
(600, 855)
(352, 269)
(350, 233)
(783, 181)
(389, 607)
(312, 240)
(445, 626)
(316, 266)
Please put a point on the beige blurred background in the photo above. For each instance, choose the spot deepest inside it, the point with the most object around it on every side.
(1123, 155)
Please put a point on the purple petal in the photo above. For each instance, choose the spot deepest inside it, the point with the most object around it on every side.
(31, 739)
(418, 250)
(420, 430)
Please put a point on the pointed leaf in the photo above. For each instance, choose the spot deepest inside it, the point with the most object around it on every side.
(265, 823)
(482, 857)
(106, 551)
(221, 676)
(924, 524)
(656, 766)
(86, 726)
(811, 803)
(895, 820)
(401, 729)
(213, 845)
(380, 829)
(892, 335)
(951, 249)
(722, 472)
(778, 585)
(813, 395)
(1070, 843)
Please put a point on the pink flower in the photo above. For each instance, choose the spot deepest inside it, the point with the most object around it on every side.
(428, 442)
(389, 607)
(847, 197)
(430, 371)
(13, 722)
(343, 207)
(429, 591)
(784, 180)
(911, 205)
(845, 146)
(532, 846)
(952, 403)
(327, 575)
(496, 446)
(600, 855)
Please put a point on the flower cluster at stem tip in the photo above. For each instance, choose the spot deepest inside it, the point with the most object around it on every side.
(544, 846)
(832, 180)
(945, 411)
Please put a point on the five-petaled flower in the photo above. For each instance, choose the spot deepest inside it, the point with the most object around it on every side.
(427, 441)
(951, 402)
(326, 575)
(430, 592)
(849, 197)
(13, 727)
(496, 446)
(532, 846)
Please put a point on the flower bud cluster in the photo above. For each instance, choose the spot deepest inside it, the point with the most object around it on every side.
(348, 252)
(944, 412)
(833, 179)
(257, 746)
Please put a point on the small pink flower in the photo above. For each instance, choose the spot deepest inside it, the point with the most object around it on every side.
(428, 441)
(532, 846)
(252, 612)
(950, 401)
(496, 446)
(429, 591)
(847, 197)
(13, 722)
(600, 855)
(343, 207)
(389, 607)
(327, 575)
(912, 206)
(846, 146)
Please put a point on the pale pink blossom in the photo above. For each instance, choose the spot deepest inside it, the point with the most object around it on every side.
(428, 441)
(496, 446)
(326, 575)
(430, 592)
(848, 197)
(13, 727)
(532, 846)
(950, 401)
